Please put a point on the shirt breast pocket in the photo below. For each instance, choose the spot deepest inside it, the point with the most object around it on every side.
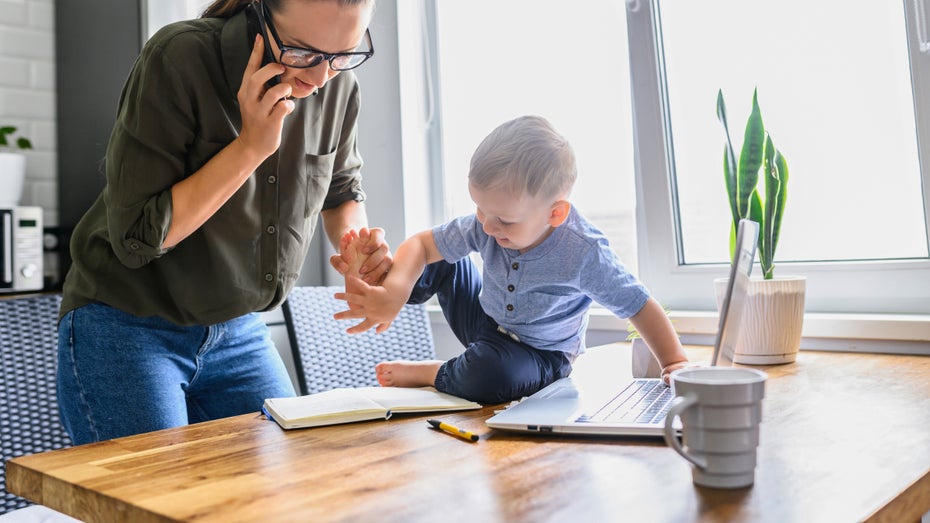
(319, 174)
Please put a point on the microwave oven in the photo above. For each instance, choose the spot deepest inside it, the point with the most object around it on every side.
(21, 249)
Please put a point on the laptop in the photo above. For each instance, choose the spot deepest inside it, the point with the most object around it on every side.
(594, 402)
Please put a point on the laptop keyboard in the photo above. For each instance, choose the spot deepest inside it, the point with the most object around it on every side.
(643, 401)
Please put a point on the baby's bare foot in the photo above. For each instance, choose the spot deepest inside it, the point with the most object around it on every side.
(405, 373)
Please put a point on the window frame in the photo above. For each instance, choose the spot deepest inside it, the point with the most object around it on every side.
(888, 287)
(685, 288)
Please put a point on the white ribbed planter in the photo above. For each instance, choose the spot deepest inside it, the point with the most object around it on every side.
(772, 320)
(12, 174)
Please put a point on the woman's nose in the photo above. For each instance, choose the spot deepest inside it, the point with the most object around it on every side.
(318, 75)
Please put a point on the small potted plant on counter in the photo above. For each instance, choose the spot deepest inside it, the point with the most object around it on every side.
(12, 165)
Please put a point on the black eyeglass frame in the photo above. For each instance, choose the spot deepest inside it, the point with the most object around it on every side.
(264, 17)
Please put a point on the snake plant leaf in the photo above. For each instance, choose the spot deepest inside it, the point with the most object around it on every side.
(772, 188)
(729, 179)
(755, 207)
(732, 239)
(750, 158)
(757, 214)
(781, 172)
(729, 158)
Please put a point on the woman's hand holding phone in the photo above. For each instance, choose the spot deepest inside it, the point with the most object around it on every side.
(262, 108)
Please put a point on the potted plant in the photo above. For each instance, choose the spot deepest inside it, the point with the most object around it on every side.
(12, 166)
(756, 184)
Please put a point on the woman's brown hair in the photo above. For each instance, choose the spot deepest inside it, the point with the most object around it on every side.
(228, 8)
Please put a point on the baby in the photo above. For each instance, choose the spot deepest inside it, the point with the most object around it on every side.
(523, 317)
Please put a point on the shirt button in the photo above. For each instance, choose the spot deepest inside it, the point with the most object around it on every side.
(134, 246)
(510, 287)
(270, 229)
(269, 276)
(272, 179)
(515, 266)
(510, 308)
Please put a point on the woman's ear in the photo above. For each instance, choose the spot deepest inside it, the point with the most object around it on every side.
(559, 212)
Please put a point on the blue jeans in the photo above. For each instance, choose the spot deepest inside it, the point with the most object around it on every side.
(119, 374)
(494, 367)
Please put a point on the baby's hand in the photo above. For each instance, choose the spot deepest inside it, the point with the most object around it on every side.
(375, 305)
(672, 367)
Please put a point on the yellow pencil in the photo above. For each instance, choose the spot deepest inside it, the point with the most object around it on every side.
(451, 429)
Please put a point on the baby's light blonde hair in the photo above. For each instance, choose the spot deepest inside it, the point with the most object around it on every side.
(525, 156)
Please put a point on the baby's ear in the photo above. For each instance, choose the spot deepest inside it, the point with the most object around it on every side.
(559, 212)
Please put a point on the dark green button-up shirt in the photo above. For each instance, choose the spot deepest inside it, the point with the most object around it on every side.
(177, 110)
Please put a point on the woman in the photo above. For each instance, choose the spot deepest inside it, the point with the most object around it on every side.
(217, 169)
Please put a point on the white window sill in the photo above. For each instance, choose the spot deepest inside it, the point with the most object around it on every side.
(886, 333)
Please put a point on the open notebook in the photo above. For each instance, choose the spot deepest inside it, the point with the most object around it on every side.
(347, 405)
(609, 402)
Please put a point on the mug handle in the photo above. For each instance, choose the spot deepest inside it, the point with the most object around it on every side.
(679, 405)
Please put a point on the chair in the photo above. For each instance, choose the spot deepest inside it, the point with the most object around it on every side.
(29, 421)
(326, 357)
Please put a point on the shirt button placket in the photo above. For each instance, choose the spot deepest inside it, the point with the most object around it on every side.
(510, 287)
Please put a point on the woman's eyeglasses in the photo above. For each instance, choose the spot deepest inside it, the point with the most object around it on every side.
(304, 57)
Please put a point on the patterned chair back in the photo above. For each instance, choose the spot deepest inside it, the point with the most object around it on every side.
(326, 357)
(29, 421)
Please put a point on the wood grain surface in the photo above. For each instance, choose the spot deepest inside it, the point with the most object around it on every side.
(844, 437)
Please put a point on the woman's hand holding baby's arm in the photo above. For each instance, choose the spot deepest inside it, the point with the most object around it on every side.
(376, 255)
(363, 254)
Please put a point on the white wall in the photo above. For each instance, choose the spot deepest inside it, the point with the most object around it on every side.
(27, 94)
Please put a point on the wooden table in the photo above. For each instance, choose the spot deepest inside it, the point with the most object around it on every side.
(845, 437)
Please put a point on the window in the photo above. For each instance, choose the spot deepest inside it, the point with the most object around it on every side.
(499, 60)
(158, 13)
(847, 155)
(837, 84)
(848, 119)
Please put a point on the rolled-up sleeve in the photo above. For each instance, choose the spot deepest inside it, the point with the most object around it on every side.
(346, 184)
(145, 158)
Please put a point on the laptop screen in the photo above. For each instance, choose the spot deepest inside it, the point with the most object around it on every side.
(731, 310)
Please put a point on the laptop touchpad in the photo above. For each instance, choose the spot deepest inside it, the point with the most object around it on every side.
(561, 389)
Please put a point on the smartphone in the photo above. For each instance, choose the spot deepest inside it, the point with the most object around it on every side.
(255, 26)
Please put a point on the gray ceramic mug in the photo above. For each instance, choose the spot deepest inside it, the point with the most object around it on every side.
(720, 410)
